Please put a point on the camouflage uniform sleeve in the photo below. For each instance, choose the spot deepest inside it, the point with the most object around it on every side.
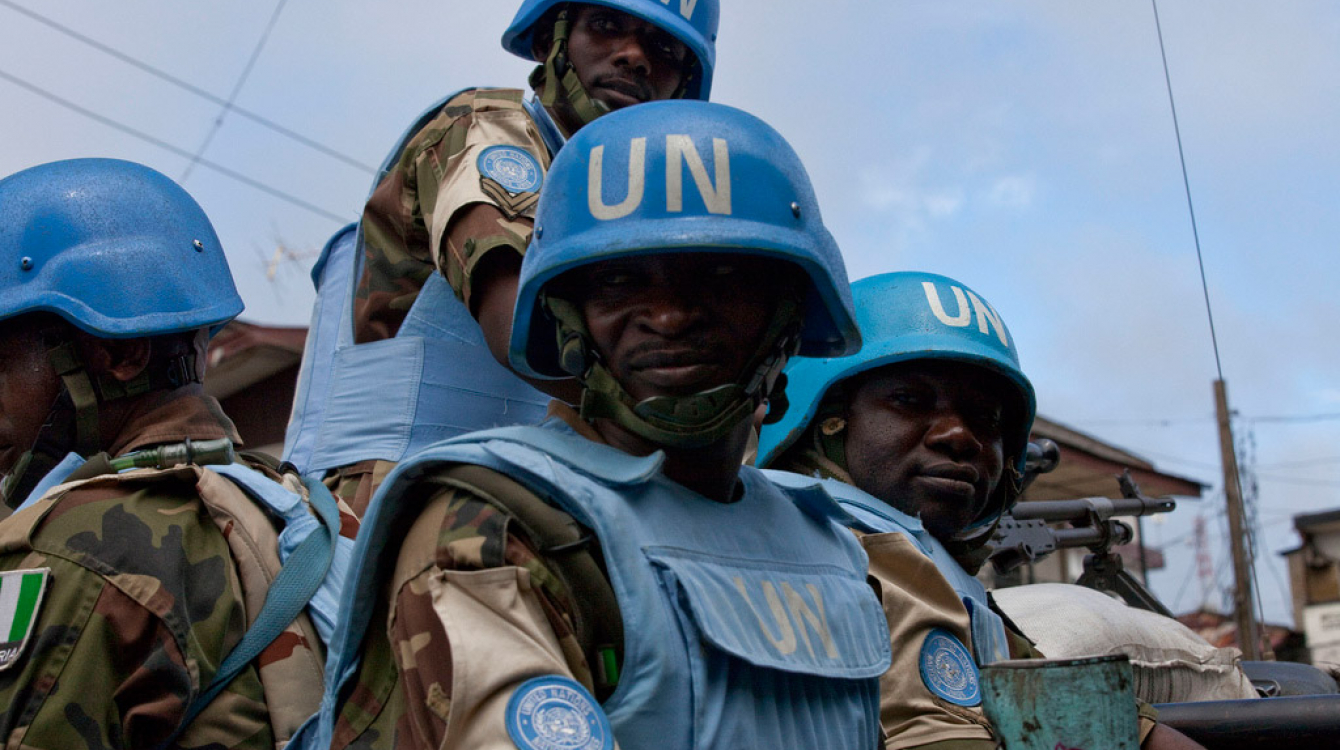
(1020, 646)
(916, 599)
(140, 608)
(406, 221)
(470, 612)
(1149, 718)
(354, 485)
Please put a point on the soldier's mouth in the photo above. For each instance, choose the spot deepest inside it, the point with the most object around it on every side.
(675, 369)
(624, 91)
(947, 486)
(950, 479)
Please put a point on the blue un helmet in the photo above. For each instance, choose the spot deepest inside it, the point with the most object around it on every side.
(692, 22)
(119, 251)
(904, 317)
(113, 247)
(677, 176)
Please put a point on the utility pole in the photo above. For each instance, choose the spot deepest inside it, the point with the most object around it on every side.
(1244, 600)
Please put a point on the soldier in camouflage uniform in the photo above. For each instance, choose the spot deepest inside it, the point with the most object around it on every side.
(458, 199)
(615, 573)
(122, 592)
(923, 435)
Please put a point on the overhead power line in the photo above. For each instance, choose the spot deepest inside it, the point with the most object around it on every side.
(109, 122)
(1300, 464)
(1302, 481)
(1296, 419)
(191, 88)
(1186, 182)
(237, 89)
(1247, 591)
(1145, 422)
(1179, 421)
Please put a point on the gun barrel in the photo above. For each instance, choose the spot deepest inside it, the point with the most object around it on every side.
(1080, 511)
(1110, 533)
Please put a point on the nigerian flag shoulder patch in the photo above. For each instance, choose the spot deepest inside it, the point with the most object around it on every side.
(21, 594)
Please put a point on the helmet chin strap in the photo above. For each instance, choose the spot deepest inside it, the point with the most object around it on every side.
(970, 546)
(563, 90)
(66, 362)
(72, 424)
(692, 421)
(822, 452)
(52, 445)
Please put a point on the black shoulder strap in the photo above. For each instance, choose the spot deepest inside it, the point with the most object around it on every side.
(570, 549)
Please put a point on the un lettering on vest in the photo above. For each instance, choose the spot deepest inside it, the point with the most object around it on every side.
(680, 152)
(986, 317)
(789, 613)
(686, 7)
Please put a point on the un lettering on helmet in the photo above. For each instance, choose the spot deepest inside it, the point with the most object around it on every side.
(679, 151)
(662, 177)
(686, 7)
(986, 316)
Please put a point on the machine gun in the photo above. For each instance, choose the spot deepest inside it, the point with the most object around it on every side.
(1023, 535)
(1299, 720)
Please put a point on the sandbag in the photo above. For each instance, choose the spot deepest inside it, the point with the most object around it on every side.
(1171, 663)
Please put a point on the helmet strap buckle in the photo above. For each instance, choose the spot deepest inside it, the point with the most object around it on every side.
(563, 90)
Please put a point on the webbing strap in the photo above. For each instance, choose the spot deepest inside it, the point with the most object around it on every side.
(67, 364)
(297, 581)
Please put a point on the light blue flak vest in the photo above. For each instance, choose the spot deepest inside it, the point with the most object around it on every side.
(733, 640)
(434, 380)
(869, 514)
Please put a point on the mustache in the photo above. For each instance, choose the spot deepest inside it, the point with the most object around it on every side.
(696, 350)
(631, 84)
(960, 472)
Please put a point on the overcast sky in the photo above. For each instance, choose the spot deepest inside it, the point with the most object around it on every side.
(1025, 148)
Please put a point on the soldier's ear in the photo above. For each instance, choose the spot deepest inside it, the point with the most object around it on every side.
(542, 43)
(543, 40)
(120, 359)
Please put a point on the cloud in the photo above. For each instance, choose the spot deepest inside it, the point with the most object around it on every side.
(1013, 191)
(942, 205)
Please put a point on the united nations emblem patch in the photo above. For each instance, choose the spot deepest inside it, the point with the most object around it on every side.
(21, 593)
(948, 670)
(511, 178)
(556, 713)
(511, 167)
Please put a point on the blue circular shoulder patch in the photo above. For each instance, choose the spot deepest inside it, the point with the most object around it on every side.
(948, 670)
(513, 168)
(556, 713)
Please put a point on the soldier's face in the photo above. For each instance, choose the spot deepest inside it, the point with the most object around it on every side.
(677, 324)
(622, 60)
(28, 388)
(925, 437)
